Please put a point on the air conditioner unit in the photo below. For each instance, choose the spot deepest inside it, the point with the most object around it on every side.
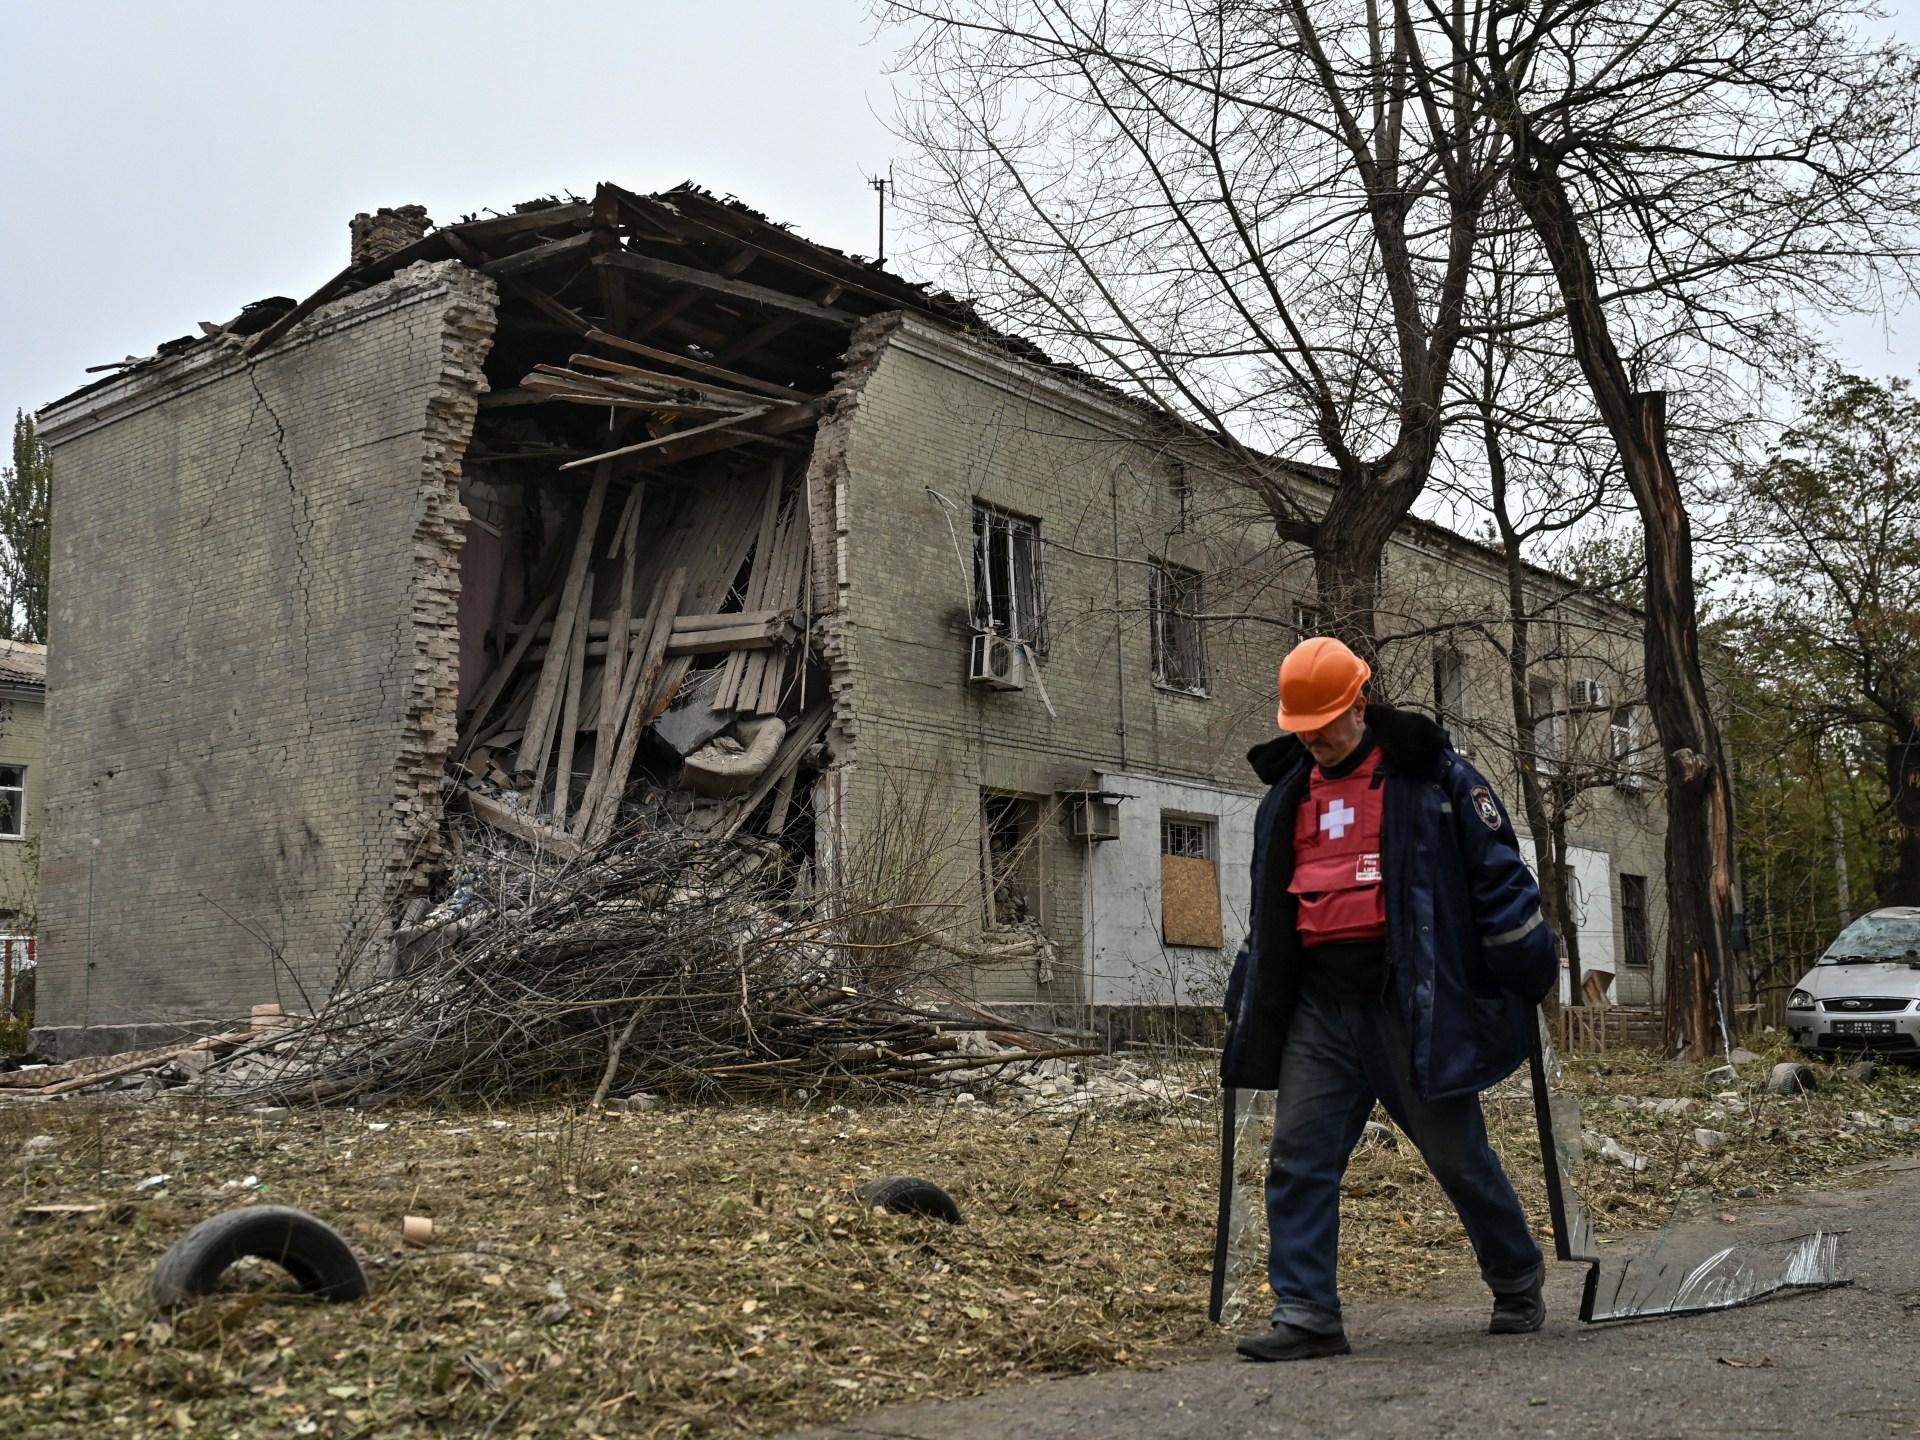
(996, 661)
(1589, 694)
(1094, 817)
(1635, 780)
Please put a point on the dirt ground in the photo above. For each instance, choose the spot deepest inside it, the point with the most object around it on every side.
(697, 1271)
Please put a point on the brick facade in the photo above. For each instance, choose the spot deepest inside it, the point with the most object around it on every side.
(254, 580)
(1112, 494)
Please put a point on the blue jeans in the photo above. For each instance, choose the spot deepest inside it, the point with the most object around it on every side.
(1339, 1058)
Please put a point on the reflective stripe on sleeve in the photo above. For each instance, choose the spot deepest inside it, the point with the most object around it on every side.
(1507, 937)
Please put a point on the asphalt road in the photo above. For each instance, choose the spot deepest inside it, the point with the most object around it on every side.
(1833, 1364)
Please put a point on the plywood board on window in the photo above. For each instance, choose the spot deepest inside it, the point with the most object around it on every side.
(1190, 902)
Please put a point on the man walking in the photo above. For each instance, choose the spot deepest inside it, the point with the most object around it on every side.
(1395, 952)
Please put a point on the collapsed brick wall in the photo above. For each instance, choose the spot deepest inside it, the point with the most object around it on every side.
(432, 719)
(828, 522)
(255, 579)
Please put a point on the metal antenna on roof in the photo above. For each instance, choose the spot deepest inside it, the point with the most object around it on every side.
(881, 184)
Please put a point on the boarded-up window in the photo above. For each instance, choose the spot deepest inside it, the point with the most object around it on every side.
(1010, 858)
(1189, 883)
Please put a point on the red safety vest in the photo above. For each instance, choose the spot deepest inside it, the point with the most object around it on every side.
(1336, 857)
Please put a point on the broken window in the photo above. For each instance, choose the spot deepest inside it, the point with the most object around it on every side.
(1450, 693)
(1179, 657)
(1546, 726)
(1633, 922)
(1623, 736)
(1181, 488)
(13, 802)
(1306, 623)
(1006, 576)
(1010, 860)
(1189, 883)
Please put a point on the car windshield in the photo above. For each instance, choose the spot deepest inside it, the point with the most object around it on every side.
(1876, 939)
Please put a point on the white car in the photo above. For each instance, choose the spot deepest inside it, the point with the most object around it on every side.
(1864, 994)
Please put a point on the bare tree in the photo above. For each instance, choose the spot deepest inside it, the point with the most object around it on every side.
(1707, 170)
(1262, 218)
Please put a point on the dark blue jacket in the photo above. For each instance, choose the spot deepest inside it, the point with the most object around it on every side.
(1470, 951)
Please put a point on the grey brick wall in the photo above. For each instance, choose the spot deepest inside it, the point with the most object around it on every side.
(254, 576)
(926, 411)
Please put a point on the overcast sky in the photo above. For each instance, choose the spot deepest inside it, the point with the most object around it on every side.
(166, 161)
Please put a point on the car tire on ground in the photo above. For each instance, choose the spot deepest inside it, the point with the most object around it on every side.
(909, 1195)
(308, 1249)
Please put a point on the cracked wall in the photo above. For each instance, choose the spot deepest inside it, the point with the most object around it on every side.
(255, 581)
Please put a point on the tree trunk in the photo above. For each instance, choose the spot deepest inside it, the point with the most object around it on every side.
(1901, 885)
(1533, 795)
(1699, 844)
(1348, 544)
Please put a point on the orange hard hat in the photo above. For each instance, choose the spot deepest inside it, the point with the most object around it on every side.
(1319, 679)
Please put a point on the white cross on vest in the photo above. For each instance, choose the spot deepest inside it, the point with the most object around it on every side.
(1338, 817)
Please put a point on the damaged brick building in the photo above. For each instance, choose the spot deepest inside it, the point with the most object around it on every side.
(642, 509)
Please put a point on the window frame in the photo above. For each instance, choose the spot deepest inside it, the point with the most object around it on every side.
(1453, 712)
(1210, 933)
(1025, 605)
(1025, 867)
(1185, 586)
(1544, 734)
(19, 791)
(1636, 923)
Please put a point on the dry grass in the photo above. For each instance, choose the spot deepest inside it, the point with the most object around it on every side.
(706, 1270)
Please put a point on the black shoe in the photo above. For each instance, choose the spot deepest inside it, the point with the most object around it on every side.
(1290, 1342)
(1522, 1312)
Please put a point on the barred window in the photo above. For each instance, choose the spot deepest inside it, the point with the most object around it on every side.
(1633, 922)
(1192, 839)
(1179, 654)
(1007, 596)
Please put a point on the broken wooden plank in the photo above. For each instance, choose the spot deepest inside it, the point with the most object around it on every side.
(515, 286)
(698, 367)
(646, 672)
(299, 312)
(536, 833)
(676, 382)
(570, 711)
(503, 673)
(722, 424)
(799, 740)
(538, 255)
(533, 749)
(720, 285)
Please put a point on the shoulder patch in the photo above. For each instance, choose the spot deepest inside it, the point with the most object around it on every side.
(1485, 806)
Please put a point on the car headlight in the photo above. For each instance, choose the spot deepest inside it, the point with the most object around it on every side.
(1800, 1000)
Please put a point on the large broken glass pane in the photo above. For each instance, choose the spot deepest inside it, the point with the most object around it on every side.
(1240, 1244)
(1697, 1262)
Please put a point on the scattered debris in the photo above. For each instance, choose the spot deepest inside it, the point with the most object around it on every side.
(308, 1249)
(416, 1230)
(1790, 1077)
(1712, 1141)
(909, 1195)
(660, 960)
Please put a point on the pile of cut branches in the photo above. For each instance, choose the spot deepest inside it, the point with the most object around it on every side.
(659, 962)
